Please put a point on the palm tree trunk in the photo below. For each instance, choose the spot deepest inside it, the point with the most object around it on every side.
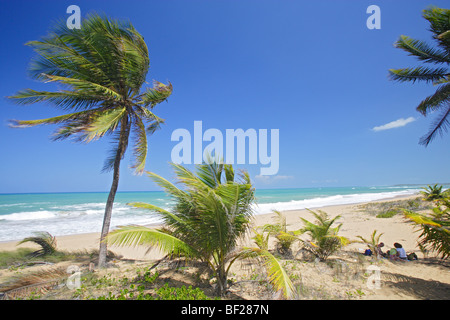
(123, 141)
(221, 288)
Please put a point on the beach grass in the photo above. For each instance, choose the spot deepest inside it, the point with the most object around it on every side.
(388, 209)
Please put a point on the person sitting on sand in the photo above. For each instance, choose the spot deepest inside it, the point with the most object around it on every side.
(392, 254)
(401, 252)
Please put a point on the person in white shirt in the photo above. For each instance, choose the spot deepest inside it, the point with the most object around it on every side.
(401, 251)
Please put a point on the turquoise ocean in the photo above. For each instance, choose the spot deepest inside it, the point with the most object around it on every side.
(72, 213)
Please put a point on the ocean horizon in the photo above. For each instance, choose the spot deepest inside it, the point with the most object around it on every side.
(67, 213)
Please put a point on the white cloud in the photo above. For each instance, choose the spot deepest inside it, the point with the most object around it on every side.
(394, 124)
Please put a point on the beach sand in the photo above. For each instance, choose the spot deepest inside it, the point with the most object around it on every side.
(422, 279)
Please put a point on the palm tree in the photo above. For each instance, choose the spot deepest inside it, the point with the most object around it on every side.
(324, 238)
(45, 240)
(439, 20)
(435, 227)
(432, 193)
(101, 69)
(373, 242)
(276, 273)
(285, 238)
(211, 213)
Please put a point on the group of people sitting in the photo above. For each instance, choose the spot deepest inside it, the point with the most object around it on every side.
(396, 253)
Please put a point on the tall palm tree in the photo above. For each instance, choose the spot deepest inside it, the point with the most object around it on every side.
(439, 20)
(211, 213)
(100, 69)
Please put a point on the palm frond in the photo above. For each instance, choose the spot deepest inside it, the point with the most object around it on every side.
(43, 239)
(140, 146)
(439, 20)
(421, 50)
(54, 120)
(420, 219)
(64, 99)
(162, 212)
(157, 94)
(88, 87)
(24, 284)
(106, 121)
(419, 74)
(436, 101)
(277, 275)
(439, 126)
(138, 235)
(166, 185)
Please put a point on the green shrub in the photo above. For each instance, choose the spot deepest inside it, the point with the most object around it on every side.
(388, 214)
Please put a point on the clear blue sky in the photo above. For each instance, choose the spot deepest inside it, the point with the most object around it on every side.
(311, 69)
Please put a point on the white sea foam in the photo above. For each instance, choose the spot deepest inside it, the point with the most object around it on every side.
(87, 217)
(319, 202)
(32, 215)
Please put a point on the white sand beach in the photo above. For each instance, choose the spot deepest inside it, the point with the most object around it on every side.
(421, 279)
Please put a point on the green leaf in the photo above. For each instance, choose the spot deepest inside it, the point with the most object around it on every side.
(140, 146)
(422, 51)
(157, 94)
(106, 121)
(138, 235)
(277, 275)
(419, 74)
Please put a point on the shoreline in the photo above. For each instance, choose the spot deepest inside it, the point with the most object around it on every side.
(89, 240)
(51, 218)
(422, 279)
(398, 197)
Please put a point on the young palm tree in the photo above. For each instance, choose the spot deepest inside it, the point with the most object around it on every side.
(277, 275)
(209, 217)
(324, 238)
(45, 240)
(432, 193)
(211, 213)
(285, 238)
(100, 69)
(439, 20)
(373, 242)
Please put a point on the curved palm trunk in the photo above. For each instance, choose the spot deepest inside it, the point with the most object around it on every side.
(123, 141)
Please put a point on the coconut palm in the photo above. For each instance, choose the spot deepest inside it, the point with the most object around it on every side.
(439, 20)
(324, 238)
(435, 227)
(432, 193)
(276, 273)
(100, 70)
(211, 213)
(284, 238)
(373, 242)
